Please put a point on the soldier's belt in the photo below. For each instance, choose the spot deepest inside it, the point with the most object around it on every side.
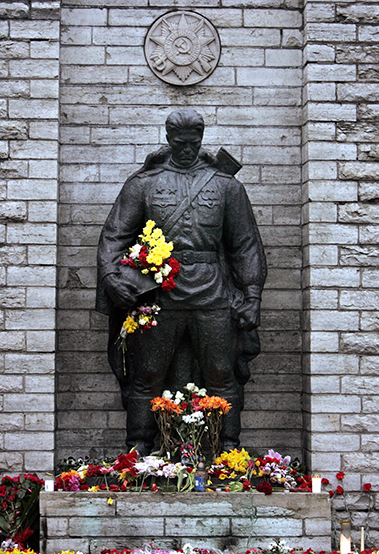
(192, 257)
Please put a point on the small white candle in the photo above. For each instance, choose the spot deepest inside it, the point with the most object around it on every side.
(49, 481)
(316, 483)
(362, 539)
(345, 537)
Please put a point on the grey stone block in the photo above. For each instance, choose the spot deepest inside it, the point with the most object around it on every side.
(29, 363)
(38, 341)
(359, 255)
(360, 343)
(13, 341)
(29, 441)
(11, 383)
(28, 403)
(39, 422)
(14, 10)
(83, 16)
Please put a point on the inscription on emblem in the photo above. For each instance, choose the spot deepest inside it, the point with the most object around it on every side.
(182, 48)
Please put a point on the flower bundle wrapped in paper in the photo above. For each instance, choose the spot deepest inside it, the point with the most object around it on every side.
(153, 254)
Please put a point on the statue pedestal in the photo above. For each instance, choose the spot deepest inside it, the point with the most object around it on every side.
(85, 521)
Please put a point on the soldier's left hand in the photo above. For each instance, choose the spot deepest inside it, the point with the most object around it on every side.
(249, 314)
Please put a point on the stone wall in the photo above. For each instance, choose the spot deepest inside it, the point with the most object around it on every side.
(234, 521)
(29, 69)
(340, 217)
(112, 114)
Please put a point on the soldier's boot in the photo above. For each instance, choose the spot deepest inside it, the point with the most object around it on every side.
(141, 427)
(231, 425)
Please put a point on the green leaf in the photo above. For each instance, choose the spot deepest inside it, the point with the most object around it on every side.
(236, 486)
(4, 525)
(22, 479)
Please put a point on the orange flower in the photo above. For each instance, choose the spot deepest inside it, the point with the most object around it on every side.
(163, 404)
(215, 403)
(69, 473)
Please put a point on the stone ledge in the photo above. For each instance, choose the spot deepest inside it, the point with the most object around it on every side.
(85, 521)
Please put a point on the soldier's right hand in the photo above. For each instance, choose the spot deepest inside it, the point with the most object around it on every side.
(121, 293)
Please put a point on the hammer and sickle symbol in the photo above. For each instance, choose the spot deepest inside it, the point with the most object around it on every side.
(183, 45)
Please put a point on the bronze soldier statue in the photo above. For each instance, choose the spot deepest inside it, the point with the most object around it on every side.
(208, 322)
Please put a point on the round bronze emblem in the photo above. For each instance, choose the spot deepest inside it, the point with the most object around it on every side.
(182, 48)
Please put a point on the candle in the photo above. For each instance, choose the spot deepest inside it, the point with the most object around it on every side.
(316, 483)
(49, 481)
(362, 539)
(345, 537)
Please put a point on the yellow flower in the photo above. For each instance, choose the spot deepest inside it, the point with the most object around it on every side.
(95, 488)
(254, 472)
(209, 490)
(150, 224)
(130, 325)
(156, 233)
(110, 501)
(233, 474)
(261, 473)
(283, 479)
(145, 271)
(222, 476)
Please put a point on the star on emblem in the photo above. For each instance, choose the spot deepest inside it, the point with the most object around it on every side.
(182, 43)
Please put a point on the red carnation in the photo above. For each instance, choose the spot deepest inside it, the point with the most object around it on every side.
(175, 267)
(143, 255)
(367, 487)
(324, 481)
(168, 284)
(246, 485)
(84, 487)
(3, 490)
(265, 487)
(154, 487)
(339, 490)
(331, 494)
(114, 488)
(340, 475)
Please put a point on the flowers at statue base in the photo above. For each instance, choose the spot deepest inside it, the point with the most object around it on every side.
(152, 253)
(273, 469)
(19, 507)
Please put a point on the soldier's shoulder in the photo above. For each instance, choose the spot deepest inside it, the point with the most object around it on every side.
(143, 174)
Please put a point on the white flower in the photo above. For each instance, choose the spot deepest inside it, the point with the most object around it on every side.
(158, 277)
(135, 251)
(187, 549)
(179, 397)
(197, 418)
(142, 321)
(191, 387)
(167, 394)
(202, 392)
(165, 270)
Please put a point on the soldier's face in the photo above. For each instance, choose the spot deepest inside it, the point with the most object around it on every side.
(185, 145)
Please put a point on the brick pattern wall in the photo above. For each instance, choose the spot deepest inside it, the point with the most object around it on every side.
(112, 114)
(340, 224)
(29, 67)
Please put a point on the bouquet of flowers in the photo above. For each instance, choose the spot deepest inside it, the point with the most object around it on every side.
(153, 253)
(185, 417)
(19, 507)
